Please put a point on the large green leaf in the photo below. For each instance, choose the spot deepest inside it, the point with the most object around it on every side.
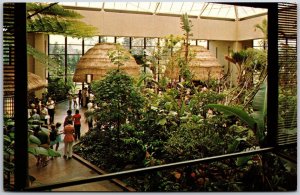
(243, 160)
(38, 151)
(45, 130)
(34, 140)
(53, 153)
(241, 114)
(260, 110)
(162, 121)
(7, 139)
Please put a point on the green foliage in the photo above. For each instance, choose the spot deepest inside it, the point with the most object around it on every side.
(239, 56)
(168, 128)
(41, 57)
(287, 109)
(255, 59)
(34, 145)
(8, 160)
(260, 110)
(200, 99)
(118, 56)
(58, 88)
(116, 123)
(186, 24)
(57, 20)
(228, 110)
(118, 99)
(263, 27)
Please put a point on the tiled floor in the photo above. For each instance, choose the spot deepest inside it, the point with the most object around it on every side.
(59, 169)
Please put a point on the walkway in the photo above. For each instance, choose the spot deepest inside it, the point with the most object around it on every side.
(60, 170)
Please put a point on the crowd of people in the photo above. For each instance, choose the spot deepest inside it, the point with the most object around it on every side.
(67, 131)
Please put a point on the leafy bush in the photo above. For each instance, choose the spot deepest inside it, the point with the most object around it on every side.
(58, 89)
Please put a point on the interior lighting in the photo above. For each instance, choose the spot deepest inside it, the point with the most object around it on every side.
(89, 78)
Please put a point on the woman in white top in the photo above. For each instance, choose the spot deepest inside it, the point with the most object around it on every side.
(44, 114)
(51, 106)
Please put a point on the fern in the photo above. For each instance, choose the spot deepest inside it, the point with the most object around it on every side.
(57, 20)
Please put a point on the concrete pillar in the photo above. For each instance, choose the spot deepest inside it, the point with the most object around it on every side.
(40, 43)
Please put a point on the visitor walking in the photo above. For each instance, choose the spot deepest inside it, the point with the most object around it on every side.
(84, 94)
(68, 140)
(79, 98)
(77, 124)
(75, 101)
(55, 137)
(87, 96)
(68, 118)
(51, 109)
(70, 98)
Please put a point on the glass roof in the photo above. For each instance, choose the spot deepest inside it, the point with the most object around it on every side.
(199, 9)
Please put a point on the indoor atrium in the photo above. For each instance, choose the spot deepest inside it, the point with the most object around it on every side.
(150, 96)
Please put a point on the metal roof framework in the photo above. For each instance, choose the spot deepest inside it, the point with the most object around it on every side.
(194, 9)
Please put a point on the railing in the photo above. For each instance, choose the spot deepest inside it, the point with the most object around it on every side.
(145, 170)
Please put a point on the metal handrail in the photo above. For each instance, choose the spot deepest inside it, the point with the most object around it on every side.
(144, 170)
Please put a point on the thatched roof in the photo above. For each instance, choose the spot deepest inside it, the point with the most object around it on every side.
(203, 65)
(96, 62)
(35, 82)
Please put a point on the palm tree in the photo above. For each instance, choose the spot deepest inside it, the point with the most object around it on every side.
(263, 27)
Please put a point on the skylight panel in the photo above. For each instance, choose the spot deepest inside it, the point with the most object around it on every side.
(187, 8)
(121, 5)
(164, 7)
(83, 4)
(250, 11)
(176, 7)
(68, 3)
(211, 10)
(133, 6)
(109, 5)
(219, 11)
(96, 4)
(147, 6)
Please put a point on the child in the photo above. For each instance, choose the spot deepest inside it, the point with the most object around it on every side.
(55, 137)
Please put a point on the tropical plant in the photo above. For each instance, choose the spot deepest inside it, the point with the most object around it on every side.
(54, 19)
(257, 120)
(120, 109)
(8, 153)
(263, 27)
(36, 150)
(249, 62)
(186, 25)
(8, 150)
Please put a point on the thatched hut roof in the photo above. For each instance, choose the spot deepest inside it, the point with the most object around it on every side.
(97, 62)
(203, 65)
(35, 82)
